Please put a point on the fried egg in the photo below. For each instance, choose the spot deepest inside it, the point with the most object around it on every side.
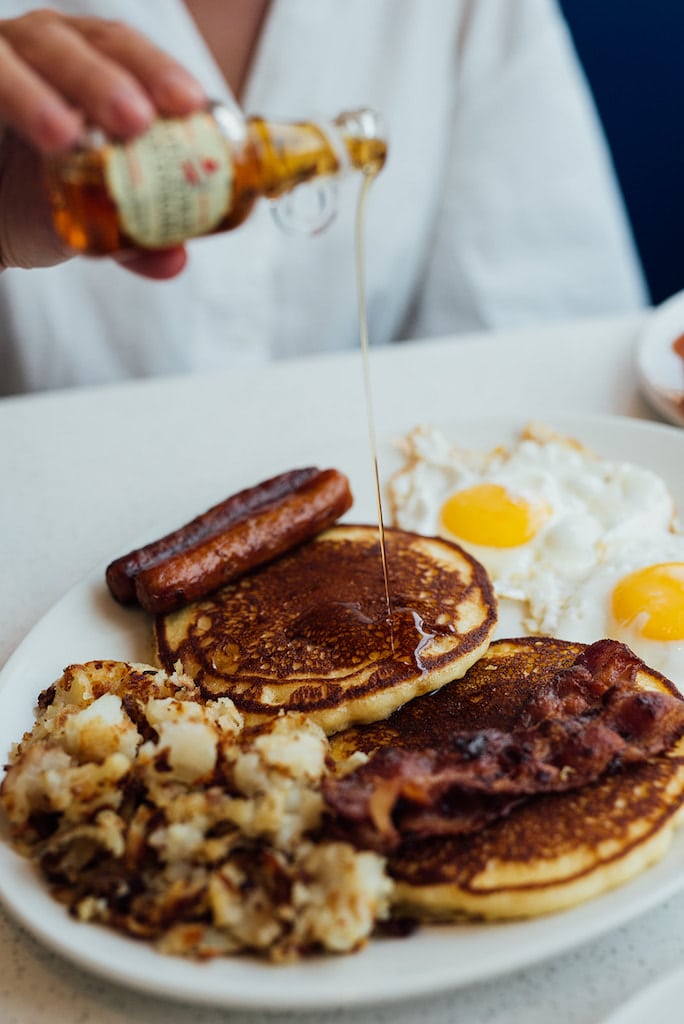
(540, 514)
(636, 596)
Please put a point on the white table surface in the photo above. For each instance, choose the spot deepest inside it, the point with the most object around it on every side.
(85, 474)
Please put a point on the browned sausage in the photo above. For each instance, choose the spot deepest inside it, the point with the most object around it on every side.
(252, 541)
(122, 572)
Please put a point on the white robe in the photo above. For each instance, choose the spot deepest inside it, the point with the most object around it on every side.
(497, 208)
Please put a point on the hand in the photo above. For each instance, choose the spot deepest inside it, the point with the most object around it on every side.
(58, 73)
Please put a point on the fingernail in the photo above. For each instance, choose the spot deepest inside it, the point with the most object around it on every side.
(55, 126)
(159, 265)
(130, 111)
(179, 92)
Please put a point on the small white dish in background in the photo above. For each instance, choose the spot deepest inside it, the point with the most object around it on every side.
(660, 368)
(661, 1000)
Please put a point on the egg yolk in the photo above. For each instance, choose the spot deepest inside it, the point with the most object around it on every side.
(652, 599)
(489, 515)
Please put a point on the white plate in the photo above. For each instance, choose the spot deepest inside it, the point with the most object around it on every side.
(660, 369)
(662, 1000)
(86, 624)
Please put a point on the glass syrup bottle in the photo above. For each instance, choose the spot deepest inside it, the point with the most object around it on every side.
(202, 174)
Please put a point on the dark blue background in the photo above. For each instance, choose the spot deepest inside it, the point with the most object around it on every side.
(633, 55)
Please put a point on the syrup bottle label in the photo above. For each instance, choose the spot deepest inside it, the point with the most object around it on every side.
(173, 182)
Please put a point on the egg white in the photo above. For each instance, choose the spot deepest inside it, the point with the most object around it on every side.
(596, 506)
(588, 616)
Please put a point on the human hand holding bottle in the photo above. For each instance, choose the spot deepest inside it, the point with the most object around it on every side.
(57, 74)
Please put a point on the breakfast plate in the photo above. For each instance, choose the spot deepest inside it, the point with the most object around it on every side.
(85, 624)
(660, 1000)
(659, 366)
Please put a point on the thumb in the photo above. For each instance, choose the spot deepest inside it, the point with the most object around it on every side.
(27, 237)
(157, 264)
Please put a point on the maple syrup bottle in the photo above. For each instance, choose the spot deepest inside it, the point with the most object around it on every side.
(201, 174)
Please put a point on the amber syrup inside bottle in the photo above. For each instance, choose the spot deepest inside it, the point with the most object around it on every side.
(259, 158)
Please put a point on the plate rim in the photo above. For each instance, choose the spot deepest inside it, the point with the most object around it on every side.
(654, 336)
(573, 927)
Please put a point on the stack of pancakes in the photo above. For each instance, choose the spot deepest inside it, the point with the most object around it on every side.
(311, 632)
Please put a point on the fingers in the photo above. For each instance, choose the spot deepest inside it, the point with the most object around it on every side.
(158, 265)
(57, 75)
(33, 108)
(172, 89)
(57, 72)
(27, 238)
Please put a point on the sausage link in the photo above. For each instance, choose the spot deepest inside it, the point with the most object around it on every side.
(251, 542)
(122, 572)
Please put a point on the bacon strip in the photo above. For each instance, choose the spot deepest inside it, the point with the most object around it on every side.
(247, 543)
(589, 720)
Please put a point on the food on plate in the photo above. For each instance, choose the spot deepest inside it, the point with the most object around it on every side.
(202, 804)
(246, 530)
(549, 774)
(678, 346)
(678, 349)
(156, 811)
(122, 572)
(310, 632)
(541, 513)
(636, 595)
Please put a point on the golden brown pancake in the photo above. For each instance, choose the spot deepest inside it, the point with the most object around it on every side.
(310, 631)
(554, 850)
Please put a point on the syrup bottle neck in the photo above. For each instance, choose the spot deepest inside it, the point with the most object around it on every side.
(315, 154)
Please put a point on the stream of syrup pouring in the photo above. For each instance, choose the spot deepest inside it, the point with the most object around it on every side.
(367, 179)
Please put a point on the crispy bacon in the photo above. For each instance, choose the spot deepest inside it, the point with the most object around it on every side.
(589, 720)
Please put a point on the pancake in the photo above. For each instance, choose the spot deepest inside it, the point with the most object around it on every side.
(310, 632)
(550, 852)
